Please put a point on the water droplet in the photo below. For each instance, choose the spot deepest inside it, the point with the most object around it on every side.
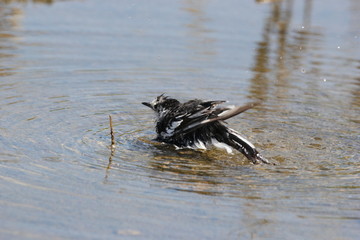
(338, 47)
(303, 70)
(324, 79)
(302, 27)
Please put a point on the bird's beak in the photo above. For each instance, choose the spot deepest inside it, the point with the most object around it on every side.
(147, 104)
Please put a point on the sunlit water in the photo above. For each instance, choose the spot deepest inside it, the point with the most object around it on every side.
(66, 65)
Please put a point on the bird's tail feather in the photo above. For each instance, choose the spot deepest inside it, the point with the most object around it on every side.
(238, 142)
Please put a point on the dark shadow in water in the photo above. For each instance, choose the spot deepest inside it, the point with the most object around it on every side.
(286, 57)
(275, 57)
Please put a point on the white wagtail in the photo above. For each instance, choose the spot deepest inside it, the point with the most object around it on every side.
(198, 124)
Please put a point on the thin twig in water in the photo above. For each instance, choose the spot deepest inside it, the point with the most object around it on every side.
(111, 133)
(112, 147)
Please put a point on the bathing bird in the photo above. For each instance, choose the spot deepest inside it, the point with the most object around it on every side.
(199, 124)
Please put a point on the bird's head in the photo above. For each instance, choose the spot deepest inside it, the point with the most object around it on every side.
(162, 103)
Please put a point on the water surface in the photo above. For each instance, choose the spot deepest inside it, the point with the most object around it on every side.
(66, 65)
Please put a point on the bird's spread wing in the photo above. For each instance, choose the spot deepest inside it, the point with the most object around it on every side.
(226, 113)
(199, 114)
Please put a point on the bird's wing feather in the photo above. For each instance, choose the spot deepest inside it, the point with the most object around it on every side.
(227, 113)
(204, 114)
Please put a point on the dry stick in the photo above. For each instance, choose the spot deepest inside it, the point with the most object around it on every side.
(112, 143)
(111, 132)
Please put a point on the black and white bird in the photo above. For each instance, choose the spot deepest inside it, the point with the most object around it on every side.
(199, 124)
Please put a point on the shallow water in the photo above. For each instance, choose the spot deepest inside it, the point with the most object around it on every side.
(66, 65)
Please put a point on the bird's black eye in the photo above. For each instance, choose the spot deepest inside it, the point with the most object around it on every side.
(155, 105)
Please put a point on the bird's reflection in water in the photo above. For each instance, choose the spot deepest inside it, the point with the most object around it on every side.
(203, 172)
